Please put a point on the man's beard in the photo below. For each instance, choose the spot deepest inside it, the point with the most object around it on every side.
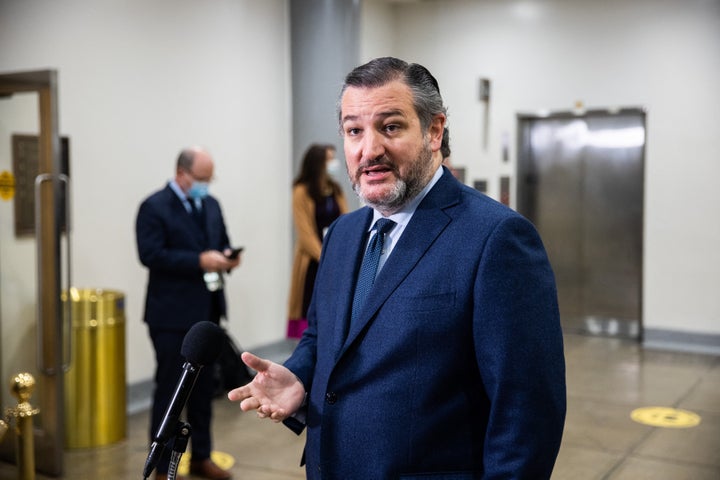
(405, 188)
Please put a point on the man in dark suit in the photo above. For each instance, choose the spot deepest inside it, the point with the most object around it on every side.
(452, 367)
(182, 240)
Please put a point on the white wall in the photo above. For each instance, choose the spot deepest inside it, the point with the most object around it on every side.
(138, 81)
(661, 55)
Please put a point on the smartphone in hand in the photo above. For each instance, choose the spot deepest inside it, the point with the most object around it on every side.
(235, 252)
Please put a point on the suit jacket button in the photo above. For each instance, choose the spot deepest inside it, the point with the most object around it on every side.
(331, 398)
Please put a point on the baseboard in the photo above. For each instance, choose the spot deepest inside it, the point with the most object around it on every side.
(659, 339)
(139, 396)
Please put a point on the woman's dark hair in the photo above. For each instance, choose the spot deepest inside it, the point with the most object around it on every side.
(313, 172)
(425, 90)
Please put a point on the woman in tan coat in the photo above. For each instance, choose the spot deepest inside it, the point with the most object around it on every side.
(317, 201)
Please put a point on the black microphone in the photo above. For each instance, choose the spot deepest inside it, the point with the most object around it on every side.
(201, 346)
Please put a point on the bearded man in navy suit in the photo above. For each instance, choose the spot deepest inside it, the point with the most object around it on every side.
(453, 366)
(182, 240)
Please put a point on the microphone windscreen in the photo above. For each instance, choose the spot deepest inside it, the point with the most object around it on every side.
(202, 343)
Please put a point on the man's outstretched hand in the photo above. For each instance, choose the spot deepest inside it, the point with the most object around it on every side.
(275, 392)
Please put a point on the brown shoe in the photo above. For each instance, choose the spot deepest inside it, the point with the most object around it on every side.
(207, 469)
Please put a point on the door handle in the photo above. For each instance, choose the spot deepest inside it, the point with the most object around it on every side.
(66, 329)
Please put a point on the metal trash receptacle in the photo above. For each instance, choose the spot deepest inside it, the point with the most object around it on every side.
(95, 385)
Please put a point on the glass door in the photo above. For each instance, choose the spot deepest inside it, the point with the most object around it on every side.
(34, 246)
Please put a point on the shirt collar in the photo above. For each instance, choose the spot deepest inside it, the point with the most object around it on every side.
(178, 191)
(184, 198)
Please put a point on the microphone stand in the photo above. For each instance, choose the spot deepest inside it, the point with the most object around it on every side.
(180, 441)
(182, 435)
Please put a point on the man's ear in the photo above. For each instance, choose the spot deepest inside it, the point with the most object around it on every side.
(435, 132)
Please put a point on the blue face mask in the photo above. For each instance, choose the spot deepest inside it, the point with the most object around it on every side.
(199, 190)
(334, 167)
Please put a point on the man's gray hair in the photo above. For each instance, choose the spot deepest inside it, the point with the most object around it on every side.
(425, 90)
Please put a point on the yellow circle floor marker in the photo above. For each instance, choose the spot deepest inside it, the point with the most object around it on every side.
(221, 459)
(665, 417)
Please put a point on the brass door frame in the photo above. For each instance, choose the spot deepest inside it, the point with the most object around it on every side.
(49, 434)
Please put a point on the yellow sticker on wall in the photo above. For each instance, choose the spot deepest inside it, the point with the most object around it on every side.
(7, 185)
(665, 417)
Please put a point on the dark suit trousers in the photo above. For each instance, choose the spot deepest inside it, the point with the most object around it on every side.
(168, 345)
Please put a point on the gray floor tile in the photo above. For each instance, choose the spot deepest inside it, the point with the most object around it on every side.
(705, 396)
(649, 469)
(602, 426)
(576, 463)
(607, 378)
(698, 445)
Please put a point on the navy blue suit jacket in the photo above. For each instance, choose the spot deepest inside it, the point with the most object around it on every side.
(455, 369)
(169, 244)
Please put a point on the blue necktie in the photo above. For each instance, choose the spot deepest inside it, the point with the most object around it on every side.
(369, 266)
(195, 212)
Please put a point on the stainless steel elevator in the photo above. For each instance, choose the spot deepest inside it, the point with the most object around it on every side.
(580, 181)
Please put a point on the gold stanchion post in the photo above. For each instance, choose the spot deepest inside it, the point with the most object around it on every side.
(22, 386)
(3, 428)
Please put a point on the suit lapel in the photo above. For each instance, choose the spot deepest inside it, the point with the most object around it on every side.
(426, 224)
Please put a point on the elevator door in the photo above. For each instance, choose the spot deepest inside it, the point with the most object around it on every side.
(580, 181)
